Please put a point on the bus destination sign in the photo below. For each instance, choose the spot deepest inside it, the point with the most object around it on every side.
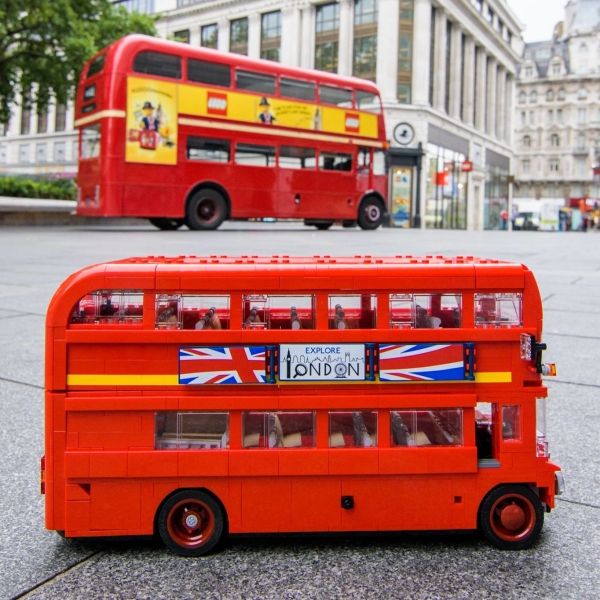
(321, 362)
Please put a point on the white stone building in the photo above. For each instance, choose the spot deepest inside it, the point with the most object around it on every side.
(446, 70)
(557, 113)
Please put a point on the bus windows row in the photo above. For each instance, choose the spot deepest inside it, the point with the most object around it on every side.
(285, 156)
(297, 429)
(219, 75)
(295, 312)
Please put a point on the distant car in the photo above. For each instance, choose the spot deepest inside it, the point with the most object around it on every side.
(527, 221)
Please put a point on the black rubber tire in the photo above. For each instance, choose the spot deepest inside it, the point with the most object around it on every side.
(323, 226)
(370, 213)
(511, 517)
(191, 523)
(166, 224)
(206, 210)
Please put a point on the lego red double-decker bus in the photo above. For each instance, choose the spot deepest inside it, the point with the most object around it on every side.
(192, 397)
(180, 134)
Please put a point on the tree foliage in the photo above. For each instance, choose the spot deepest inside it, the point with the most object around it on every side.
(47, 42)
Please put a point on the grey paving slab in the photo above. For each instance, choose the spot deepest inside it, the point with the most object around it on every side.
(563, 564)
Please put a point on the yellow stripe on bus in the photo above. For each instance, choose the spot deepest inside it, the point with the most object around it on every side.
(99, 115)
(278, 132)
(140, 380)
(127, 380)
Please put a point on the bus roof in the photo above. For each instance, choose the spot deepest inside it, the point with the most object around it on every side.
(125, 48)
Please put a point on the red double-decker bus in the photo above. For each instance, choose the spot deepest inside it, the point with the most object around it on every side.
(179, 134)
(194, 396)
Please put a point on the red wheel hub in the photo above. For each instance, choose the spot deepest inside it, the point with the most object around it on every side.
(512, 517)
(191, 523)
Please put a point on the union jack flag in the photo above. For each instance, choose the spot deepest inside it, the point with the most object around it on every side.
(421, 362)
(219, 364)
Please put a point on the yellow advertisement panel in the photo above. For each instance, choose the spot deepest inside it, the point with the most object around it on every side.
(274, 112)
(151, 122)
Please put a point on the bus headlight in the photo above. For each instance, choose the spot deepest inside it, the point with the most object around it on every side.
(559, 483)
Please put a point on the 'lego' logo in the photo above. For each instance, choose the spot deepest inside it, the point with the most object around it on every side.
(216, 104)
(352, 122)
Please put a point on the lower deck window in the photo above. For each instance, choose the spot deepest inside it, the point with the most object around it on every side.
(191, 431)
(357, 429)
(278, 429)
(426, 427)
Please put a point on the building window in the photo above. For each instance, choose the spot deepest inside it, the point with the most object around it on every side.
(145, 7)
(523, 117)
(582, 93)
(182, 36)
(405, 43)
(327, 29)
(556, 69)
(559, 115)
(581, 141)
(479, 5)
(60, 152)
(238, 36)
(365, 39)
(533, 97)
(490, 15)
(522, 97)
(554, 140)
(527, 141)
(580, 167)
(532, 117)
(554, 165)
(40, 153)
(581, 116)
(526, 166)
(270, 36)
(561, 94)
(24, 153)
(550, 117)
(60, 123)
(26, 113)
(528, 71)
(550, 95)
(209, 36)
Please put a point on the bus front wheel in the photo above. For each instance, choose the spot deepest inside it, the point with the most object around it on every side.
(167, 224)
(206, 209)
(511, 517)
(370, 213)
(191, 523)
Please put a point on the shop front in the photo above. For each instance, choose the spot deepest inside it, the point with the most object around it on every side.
(495, 203)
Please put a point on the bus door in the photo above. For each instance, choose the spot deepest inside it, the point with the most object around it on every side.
(254, 186)
(299, 193)
(337, 185)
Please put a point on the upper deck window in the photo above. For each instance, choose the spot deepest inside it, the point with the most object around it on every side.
(368, 101)
(255, 82)
(353, 311)
(109, 307)
(294, 88)
(425, 311)
(157, 63)
(90, 141)
(498, 310)
(96, 65)
(203, 71)
(279, 312)
(334, 95)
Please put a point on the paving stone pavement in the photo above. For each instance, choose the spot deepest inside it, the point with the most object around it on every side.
(35, 563)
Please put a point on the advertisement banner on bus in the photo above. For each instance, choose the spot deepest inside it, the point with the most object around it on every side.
(322, 362)
(151, 122)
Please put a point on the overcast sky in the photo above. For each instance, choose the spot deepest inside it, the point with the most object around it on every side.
(538, 16)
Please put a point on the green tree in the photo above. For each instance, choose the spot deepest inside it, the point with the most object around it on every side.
(47, 42)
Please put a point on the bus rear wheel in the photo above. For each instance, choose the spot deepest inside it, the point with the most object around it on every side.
(206, 209)
(370, 213)
(167, 224)
(191, 523)
(511, 517)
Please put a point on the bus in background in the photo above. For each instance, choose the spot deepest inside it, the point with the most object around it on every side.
(179, 134)
(195, 396)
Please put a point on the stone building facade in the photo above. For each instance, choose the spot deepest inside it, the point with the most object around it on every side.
(446, 70)
(557, 112)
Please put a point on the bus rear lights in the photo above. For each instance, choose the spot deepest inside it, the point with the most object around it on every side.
(549, 369)
(97, 195)
(542, 447)
(525, 346)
